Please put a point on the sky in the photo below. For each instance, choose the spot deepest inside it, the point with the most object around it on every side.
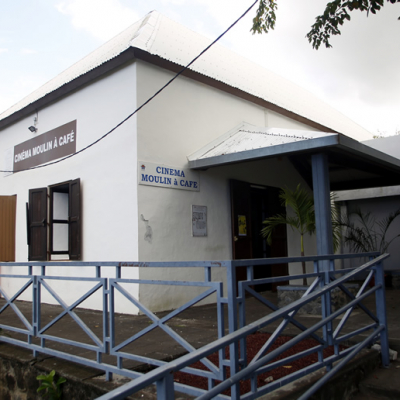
(359, 75)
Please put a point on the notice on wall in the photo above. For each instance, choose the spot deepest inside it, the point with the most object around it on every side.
(199, 220)
(160, 175)
(242, 225)
(49, 146)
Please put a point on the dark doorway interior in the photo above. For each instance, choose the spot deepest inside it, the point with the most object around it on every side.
(251, 204)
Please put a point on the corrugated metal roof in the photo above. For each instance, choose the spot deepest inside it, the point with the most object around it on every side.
(160, 36)
(351, 164)
(246, 137)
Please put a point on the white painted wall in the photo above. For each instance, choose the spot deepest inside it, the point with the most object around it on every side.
(108, 172)
(184, 118)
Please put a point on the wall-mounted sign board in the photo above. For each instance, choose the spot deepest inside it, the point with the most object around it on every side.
(161, 175)
(57, 143)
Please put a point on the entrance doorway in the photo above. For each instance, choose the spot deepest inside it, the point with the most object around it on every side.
(250, 205)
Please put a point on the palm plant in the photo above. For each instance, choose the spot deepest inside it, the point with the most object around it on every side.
(363, 233)
(302, 220)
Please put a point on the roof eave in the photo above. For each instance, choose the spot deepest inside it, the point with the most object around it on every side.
(266, 152)
(67, 88)
(137, 53)
(207, 80)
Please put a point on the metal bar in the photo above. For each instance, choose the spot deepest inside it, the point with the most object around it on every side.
(188, 264)
(244, 373)
(350, 310)
(68, 310)
(279, 329)
(111, 319)
(106, 328)
(156, 321)
(326, 310)
(165, 388)
(380, 299)
(348, 336)
(9, 302)
(73, 343)
(221, 330)
(290, 378)
(71, 357)
(233, 325)
(342, 363)
(35, 302)
(151, 376)
(18, 330)
(284, 278)
(288, 360)
(170, 283)
(273, 307)
(233, 337)
(19, 292)
(207, 274)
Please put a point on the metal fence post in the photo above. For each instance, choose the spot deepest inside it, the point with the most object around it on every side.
(380, 299)
(165, 387)
(233, 325)
(35, 308)
(326, 311)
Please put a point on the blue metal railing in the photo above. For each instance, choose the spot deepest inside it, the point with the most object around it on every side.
(324, 282)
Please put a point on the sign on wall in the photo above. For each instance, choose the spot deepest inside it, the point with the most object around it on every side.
(49, 146)
(168, 177)
(199, 220)
(242, 224)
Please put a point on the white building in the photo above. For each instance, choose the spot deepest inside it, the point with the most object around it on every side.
(132, 196)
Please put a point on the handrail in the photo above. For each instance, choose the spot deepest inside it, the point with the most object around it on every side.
(188, 264)
(186, 360)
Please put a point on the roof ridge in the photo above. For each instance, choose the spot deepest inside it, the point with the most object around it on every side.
(160, 36)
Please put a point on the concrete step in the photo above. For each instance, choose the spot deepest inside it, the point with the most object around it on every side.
(341, 387)
(383, 383)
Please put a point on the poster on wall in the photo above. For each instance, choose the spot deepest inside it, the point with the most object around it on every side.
(242, 225)
(199, 220)
(165, 176)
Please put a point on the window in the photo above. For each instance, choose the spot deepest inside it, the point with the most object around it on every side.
(54, 232)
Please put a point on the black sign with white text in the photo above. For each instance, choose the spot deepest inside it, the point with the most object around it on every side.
(57, 143)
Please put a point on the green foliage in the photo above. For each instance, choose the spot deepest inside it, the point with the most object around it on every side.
(363, 233)
(303, 219)
(265, 16)
(326, 25)
(52, 389)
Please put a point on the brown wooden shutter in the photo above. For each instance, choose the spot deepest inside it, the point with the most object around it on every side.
(38, 224)
(75, 220)
(7, 227)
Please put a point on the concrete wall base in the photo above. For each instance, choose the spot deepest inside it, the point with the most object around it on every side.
(289, 294)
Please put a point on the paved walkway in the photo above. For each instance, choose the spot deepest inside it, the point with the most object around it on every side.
(197, 325)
